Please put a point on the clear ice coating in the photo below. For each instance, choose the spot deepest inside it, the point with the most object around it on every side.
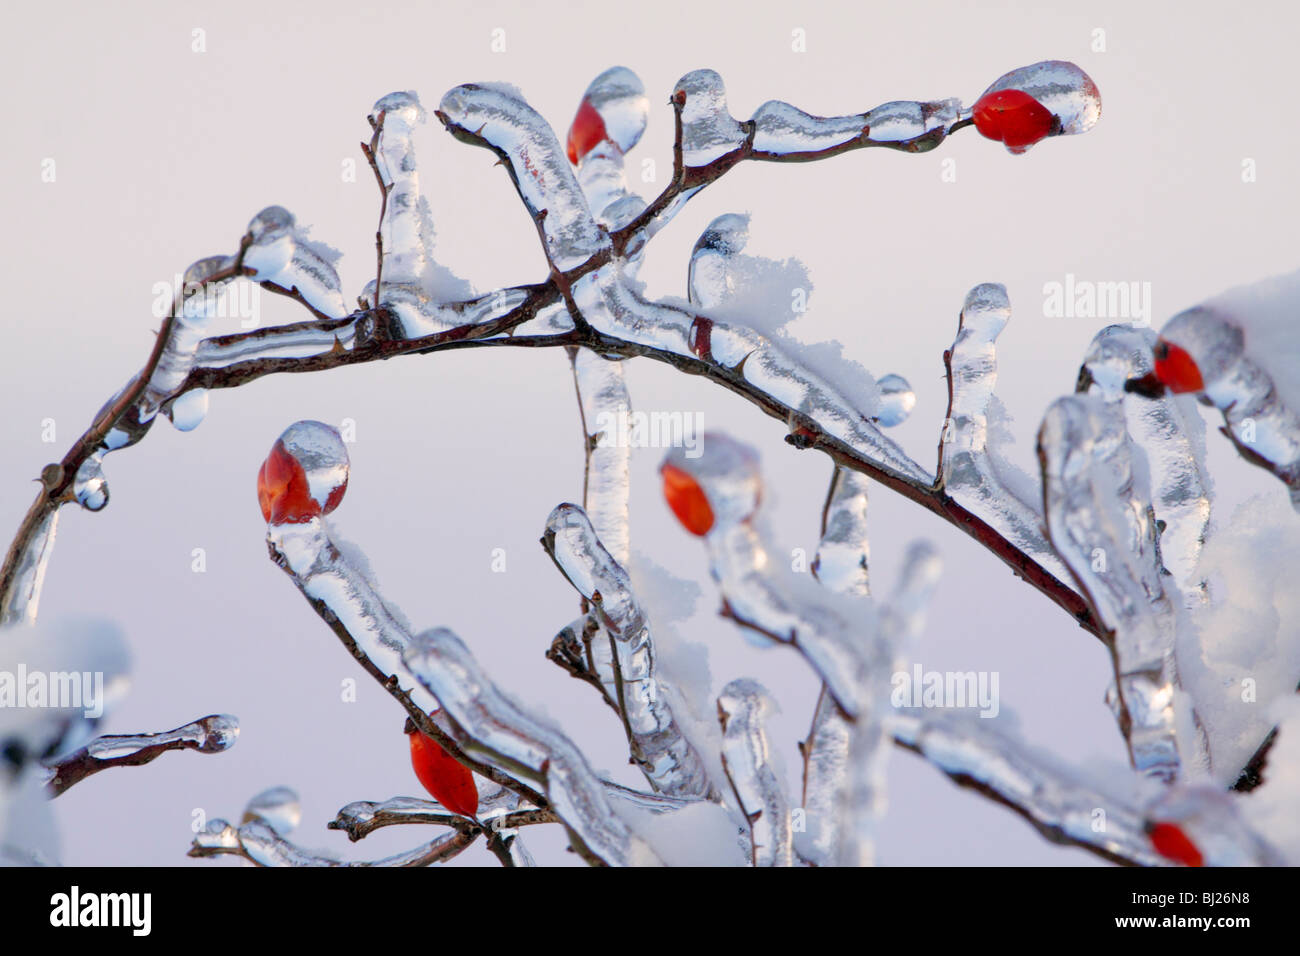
(604, 404)
(919, 125)
(896, 400)
(709, 131)
(280, 253)
(278, 808)
(502, 119)
(786, 131)
(259, 843)
(22, 601)
(659, 747)
(490, 726)
(1066, 91)
(972, 469)
(330, 577)
(1170, 434)
(611, 306)
(743, 709)
(772, 603)
(1060, 801)
(89, 486)
(1247, 350)
(324, 458)
(861, 798)
(1099, 517)
(618, 98)
(202, 298)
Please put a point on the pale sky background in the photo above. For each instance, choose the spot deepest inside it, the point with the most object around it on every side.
(163, 154)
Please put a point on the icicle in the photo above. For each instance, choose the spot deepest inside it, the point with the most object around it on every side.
(972, 470)
(279, 252)
(610, 121)
(861, 799)
(605, 405)
(22, 601)
(841, 562)
(491, 727)
(501, 118)
(743, 708)
(1100, 521)
(1171, 435)
(772, 603)
(840, 566)
(666, 757)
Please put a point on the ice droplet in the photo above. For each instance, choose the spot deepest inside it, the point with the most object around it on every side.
(189, 409)
(896, 400)
(324, 458)
(90, 487)
(277, 807)
(1060, 86)
(710, 280)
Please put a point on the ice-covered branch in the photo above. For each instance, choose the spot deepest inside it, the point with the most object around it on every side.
(972, 467)
(1170, 436)
(1239, 352)
(659, 748)
(743, 708)
(362, 817)
(213, 734)
(497, 731)
(1099, 518)
(716, 496)
(1113, 821)
(260, 844)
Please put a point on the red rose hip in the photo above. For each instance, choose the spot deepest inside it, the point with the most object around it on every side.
(1014, 118)
(449, 782)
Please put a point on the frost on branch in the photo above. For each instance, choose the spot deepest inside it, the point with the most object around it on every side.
(1099, 516)
(1169, 435)
(664, 754)
(973, 468)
